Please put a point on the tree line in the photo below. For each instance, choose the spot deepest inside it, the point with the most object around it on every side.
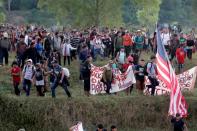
(108, 12)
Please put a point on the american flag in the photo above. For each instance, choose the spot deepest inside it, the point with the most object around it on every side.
(167, 74)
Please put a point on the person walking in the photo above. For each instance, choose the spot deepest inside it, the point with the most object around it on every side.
(67, 48)
(15, 72)
(127, 42)
(108, 76)
(85, 74)
(27, 75)
(179, 124)
(152, 72)
(140, 77)
(39, 79)
(59, 79)
(5, 46)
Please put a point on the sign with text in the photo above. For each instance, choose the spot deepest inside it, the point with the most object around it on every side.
(77, 127)
(186, 81)
(121, 81)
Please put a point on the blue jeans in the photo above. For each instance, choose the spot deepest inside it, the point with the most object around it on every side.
(27, 86)
(153, 85)
(64, 85)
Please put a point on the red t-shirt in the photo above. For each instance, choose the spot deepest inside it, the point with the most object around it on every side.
(180, 55)
(16, 70)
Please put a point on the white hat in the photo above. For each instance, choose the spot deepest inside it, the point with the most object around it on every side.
(29, 60)
(5, 34)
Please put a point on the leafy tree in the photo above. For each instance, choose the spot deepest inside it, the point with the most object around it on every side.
(129, 12)
(2, 15)
(148, 11)
(86, 12)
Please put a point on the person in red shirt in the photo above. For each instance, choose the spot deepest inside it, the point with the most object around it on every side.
(15, 72)
(129, 62)
(127, 42)
(180, 56)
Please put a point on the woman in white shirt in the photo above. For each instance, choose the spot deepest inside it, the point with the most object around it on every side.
(66, 51)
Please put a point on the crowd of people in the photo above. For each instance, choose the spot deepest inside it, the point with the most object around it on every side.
(40, 51)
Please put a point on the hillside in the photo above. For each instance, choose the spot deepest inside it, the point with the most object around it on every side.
(135, 112)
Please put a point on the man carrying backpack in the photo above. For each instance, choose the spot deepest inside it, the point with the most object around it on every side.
(27, 75)
(59, 79)
(152, 73)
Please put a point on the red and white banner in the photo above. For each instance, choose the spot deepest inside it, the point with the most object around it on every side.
(186, 81)
(121, 81)
(77, 127)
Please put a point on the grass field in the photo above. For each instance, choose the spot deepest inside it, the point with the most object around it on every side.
(129, 113)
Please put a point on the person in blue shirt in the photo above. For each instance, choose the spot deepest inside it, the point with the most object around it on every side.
(39, 49)
(152, 73)
(59, 78)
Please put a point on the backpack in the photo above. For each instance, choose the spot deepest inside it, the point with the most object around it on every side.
(145, 68)
(66, 72)
(39, 75)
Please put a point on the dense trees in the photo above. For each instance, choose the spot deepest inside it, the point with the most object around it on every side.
(86, 12)
(105, 12)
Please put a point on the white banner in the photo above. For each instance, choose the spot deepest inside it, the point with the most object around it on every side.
(78, 127)
(121, 81)
(186, 81)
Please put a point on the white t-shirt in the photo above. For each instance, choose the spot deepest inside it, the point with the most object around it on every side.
(28, 72)
(66, 49)
(26, 40)
(165, 37)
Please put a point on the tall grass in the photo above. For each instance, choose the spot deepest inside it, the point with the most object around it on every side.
(130, 113)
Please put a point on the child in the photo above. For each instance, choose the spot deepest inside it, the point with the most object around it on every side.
(39, 79)
(121, 56)
(180, 56)
(15, 72)
(140, 76)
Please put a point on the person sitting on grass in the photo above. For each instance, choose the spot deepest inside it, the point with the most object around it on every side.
(15, 72)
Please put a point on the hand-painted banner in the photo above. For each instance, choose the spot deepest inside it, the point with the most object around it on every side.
(77, 127)
(121, 81)
(186, 81)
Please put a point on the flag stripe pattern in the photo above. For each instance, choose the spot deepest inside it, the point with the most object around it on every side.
(167, 74)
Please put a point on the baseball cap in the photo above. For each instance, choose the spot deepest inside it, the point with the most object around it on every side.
(29, 60)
